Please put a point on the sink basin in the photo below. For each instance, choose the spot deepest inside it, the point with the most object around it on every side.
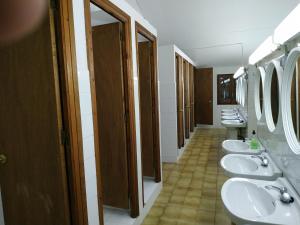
(238, 165)
(228, 110)
(232, 117)
(240, 147)
(247, 201)
(233, 123)
(228, 114)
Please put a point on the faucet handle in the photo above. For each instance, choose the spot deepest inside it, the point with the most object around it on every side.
(285, 197)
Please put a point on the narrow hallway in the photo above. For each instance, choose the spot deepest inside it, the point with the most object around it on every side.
(191, 188)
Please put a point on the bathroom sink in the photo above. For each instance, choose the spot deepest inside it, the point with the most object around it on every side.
(233, 123)
(228, 111)
(232, 117)
(228, 114)
(249, 166)
(240, 147)
(248, 201)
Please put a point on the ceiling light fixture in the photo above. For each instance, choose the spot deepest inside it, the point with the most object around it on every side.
(289, 27)
(266, 48)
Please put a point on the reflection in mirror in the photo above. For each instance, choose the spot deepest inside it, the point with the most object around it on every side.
(295, 100)
(275, 96)
(261, 96)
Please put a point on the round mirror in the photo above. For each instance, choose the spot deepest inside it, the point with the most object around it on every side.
(295, 99)
(258, 92)
(272, 93)
(275, 97)
(291, 100)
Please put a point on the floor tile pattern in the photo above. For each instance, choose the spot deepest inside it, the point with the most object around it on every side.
(191, 188)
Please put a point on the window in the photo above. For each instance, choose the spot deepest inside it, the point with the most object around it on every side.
(226, 89)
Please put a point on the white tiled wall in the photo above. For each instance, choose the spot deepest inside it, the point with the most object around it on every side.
(86, 113)
(168, 101)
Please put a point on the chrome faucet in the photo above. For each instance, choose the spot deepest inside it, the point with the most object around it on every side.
(285, 197)
(264, 160)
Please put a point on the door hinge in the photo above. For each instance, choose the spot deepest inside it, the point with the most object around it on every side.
(65, 138)
(54, 4)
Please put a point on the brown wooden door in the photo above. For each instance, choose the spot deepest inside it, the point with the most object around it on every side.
(33, 181)
(186, 76)
(179, 90)
(191, 79)
(146, 112)
(108, 66)
(203, 85)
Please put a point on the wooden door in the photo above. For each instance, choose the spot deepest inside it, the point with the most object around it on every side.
(203, 85)
(146, 109)
(33, 180)
(108, 66)
(191, 79)
(186, 76)
(179, 90)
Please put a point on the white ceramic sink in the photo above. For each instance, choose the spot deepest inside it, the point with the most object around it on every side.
(228, 111)
(240, 147)
(247, 201)
(233, 123)
(249, 166)
(228, 114)
(232, 117)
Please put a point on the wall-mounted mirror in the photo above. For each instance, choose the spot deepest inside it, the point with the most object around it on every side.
(275, 97)
(272, 94)
(291, 100)
(295, 99)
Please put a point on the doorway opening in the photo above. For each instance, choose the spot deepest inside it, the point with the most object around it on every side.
(146, 45)
(109, 55)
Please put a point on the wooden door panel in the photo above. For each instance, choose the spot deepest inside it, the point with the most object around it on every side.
(33, 181)
(186, 76)
(203, 85)
(180, 107)
(146, 112)
(107, 49)
(191, 81)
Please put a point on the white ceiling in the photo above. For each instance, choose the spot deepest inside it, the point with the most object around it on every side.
(214, 32)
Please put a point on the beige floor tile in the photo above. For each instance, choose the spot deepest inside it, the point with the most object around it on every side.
(191, 188)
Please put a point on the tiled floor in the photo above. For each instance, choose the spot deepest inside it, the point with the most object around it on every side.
(191, 189)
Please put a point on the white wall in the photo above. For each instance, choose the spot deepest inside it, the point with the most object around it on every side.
(168, 101)
(86, 108)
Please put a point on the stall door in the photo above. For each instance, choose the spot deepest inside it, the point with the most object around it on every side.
(179, 90)
(203, 85)
(146, 112)
(33, 175)
(192, 119)
(186, 76)
(107, 51)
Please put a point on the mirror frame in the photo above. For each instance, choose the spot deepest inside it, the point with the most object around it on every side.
(273, 65)
(288, 125)
(259, 77)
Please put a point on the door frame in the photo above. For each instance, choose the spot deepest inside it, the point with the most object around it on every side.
(69, 94)
(116, 12)
(140, 29)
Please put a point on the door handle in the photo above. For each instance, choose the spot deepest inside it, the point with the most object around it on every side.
(210, 101)
(3, 159)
